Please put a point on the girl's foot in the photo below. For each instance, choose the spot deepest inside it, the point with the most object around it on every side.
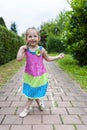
(41, 107)
(24, 113)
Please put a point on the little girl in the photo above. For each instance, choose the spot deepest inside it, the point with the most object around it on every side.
(35, 75)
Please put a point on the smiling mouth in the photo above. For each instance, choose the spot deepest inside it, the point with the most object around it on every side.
(33, 42)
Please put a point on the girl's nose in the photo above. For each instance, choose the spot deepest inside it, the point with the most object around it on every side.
(32, 37)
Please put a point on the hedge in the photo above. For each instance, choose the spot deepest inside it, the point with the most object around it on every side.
(9, 45)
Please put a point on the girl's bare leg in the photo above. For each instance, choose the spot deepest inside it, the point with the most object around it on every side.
(41, 106)
(28, 104)
(38, 102)
(26, 110)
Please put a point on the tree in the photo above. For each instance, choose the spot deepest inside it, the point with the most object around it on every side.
(47, 28)
(51, 31)
(2, 22)
(13, 27)
(75, 32)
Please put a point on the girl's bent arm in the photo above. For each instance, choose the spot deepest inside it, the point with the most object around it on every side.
(21, 53)
(51, 58)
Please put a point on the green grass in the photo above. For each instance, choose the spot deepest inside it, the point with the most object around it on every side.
(8, 70)
(77, 73)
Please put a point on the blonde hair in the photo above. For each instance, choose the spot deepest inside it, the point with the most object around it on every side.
(32, 28)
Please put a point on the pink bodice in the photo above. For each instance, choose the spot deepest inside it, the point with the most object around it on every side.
(34, 63)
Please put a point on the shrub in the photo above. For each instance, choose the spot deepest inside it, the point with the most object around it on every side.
(9, 45)
(54, 44)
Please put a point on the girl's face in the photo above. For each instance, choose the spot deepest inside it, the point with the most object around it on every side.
(32, 37)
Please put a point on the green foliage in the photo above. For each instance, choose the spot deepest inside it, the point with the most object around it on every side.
(46, 29)
(9, 45)
(2, 22)
(75, 32)
(51, 34)
(70, 28)
(61, 20)
(54, 44)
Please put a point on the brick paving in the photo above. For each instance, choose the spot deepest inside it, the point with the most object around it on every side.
(65, 104)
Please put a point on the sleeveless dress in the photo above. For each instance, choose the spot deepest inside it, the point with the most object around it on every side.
(35, 75)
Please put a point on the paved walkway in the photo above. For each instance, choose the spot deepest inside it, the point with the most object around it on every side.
(66, 104)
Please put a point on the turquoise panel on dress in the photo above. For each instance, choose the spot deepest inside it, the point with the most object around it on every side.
(34, 93)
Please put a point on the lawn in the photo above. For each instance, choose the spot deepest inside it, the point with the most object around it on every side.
(8, 70)
(77, 73)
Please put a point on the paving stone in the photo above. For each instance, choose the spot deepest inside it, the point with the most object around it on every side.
(3, 98)
(51, 119)
(23, 98)
(55, 97)
(4, 127)
(9, 93)
(13, 98)
(45, 112)
(12, 119)
(21, 127)
(48, 103)
(85, 109)
(1, 118)
(32, 119)
(71, 119)
(7, 110)
(42, 127)
(68, 98)
(64, 104)
(5, 104)
(76, 111)
(81, 127)
(58, 111)
(84, 119)
(15, 104)
(81, 98)
(79, 104)
(64, 127)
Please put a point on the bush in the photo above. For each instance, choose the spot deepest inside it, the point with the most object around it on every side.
(9, 45)
(54, 44)
(75, 33)
(80, 52)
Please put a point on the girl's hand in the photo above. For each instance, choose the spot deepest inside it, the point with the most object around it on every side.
(21, 53)
(61, 55)
(23, 47)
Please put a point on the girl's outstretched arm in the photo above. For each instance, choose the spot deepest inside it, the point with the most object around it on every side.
(51, 58)
(21, 53)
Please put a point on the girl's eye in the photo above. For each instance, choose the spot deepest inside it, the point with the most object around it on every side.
(35, 35)
(30, 36)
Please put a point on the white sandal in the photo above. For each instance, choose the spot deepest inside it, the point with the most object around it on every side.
(41, 107)
(24, 113)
